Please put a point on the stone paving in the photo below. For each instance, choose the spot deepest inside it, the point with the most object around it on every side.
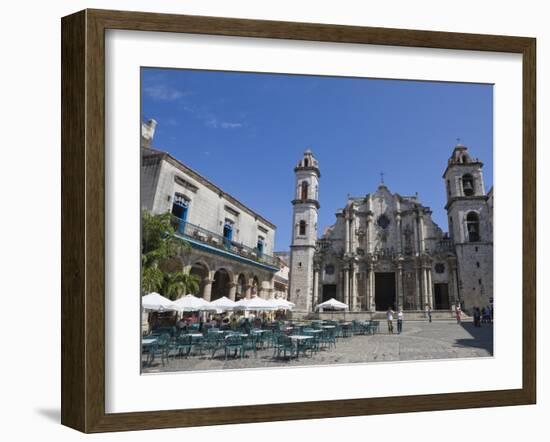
(420, 340)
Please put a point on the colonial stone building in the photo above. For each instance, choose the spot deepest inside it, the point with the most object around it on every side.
(280, 281)
(231, 245)
(384, 250)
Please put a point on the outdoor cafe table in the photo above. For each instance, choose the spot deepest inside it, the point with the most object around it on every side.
(328, 326)
(299, 339)
(145, 344)
(242, 335)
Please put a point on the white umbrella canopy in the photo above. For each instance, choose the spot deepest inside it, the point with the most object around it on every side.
(190, 303)
(332, 304)
(154, 301)
(282, 304)
(256, 303)
(223, 304)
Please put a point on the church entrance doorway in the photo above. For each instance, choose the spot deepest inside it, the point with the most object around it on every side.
(384, 293)
(329, 291)
(441, 294)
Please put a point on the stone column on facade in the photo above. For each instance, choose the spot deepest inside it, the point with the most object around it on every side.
(424, 287)
(367, 233)
(417, 293)
(367, 287)
(248, 291)
(261, 290)
(346, 229)
(430, 288)
(232, 290)
(354, 227)
(315, 286)
(479, 184)
(399, 286)
(207, 290)
(454, 288)
(372, 288)
(346, 286)
(416, 236)
(421, 233)
(399, 233)
(353, 287)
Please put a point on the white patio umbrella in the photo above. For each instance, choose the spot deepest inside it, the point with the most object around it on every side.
(223, 304)
(332, 304)
(256, 303)
(156, 302)
(190, 303)
(282, 304)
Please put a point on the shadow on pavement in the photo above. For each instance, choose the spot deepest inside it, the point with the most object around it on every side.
(482, 337)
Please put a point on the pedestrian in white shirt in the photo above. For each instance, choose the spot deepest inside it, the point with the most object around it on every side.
(389, 317)
(399, 321)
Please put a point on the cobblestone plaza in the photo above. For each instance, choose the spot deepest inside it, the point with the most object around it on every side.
(420, 340)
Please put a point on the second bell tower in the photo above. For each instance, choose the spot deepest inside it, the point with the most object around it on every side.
(304, 231)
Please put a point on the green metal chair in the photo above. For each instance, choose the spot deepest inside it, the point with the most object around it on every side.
(283, 345)
(183, 345)
(160, 348)
(213, 342)
(233, 343)
(327, 338)
(250, 343)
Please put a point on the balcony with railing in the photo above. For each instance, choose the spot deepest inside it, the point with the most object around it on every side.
(200, 235)
(445, 245)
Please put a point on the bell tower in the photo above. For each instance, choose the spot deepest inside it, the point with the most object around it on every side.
(470, 227)
(304, 231)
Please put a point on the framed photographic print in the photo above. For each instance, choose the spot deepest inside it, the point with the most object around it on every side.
(267, 221)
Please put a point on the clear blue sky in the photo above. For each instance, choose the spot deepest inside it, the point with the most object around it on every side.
(245, 132)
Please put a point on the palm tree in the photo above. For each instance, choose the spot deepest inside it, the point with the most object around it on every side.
(152, 279)
(177, 284)
(158, 245)
(158, 242)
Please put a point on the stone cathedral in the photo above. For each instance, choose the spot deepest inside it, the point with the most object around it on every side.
(384, 250)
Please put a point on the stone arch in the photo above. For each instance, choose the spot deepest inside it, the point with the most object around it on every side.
(202, 271)
(472, 226)
(468, 184)
(221, 284)
(241, 286)
(304, 190)
(255, 286)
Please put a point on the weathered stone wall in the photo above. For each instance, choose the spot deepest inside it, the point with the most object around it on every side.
(301, 277)
(475, 269)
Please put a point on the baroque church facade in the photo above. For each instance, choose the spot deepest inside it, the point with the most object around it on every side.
(384, 250)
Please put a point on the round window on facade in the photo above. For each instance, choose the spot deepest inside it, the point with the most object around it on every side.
(439, 267)
(383, 221)
(329, 269)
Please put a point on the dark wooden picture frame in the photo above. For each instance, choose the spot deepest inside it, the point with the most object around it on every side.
(83, 220)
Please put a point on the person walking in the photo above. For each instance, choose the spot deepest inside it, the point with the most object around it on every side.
(477, 317)
(389, 317)
(399, 321)
(429, 311)
(458, 312)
